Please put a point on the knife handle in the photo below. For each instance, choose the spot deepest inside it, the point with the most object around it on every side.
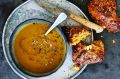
(87, 23)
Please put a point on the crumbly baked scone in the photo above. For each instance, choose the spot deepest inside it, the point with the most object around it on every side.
(90, 54)
(75, 34)
(82, 53)
(103, 12)
(77, 50)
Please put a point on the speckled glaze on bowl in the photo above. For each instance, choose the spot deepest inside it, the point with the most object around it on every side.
(31, 9)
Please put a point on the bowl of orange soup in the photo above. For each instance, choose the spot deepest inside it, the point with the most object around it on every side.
(35, 54)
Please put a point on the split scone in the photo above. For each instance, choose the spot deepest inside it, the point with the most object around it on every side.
(88, 54)
(76, 34)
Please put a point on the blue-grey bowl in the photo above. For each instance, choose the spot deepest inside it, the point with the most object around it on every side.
(15, 64)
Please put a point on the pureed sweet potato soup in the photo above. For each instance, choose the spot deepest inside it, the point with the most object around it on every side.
(36, 52)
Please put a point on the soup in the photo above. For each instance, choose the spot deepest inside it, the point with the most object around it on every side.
(37, 53)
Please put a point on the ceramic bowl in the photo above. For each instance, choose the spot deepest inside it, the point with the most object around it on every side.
(14, 61)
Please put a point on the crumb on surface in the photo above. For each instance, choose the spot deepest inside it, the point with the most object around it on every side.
(75, 67)
(101, 36)
(113, 41)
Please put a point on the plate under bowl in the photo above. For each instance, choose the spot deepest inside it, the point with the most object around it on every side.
(32, 9)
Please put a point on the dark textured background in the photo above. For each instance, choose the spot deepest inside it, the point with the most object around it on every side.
(108, 69)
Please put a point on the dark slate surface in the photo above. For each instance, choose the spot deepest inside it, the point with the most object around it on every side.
(108, 69)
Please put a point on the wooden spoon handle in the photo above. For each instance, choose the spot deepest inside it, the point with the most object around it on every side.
(87, 23)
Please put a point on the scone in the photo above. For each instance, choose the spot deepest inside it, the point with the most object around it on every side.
(75, 34)
(83, 54)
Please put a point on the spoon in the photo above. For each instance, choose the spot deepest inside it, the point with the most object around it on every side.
(59, 19)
